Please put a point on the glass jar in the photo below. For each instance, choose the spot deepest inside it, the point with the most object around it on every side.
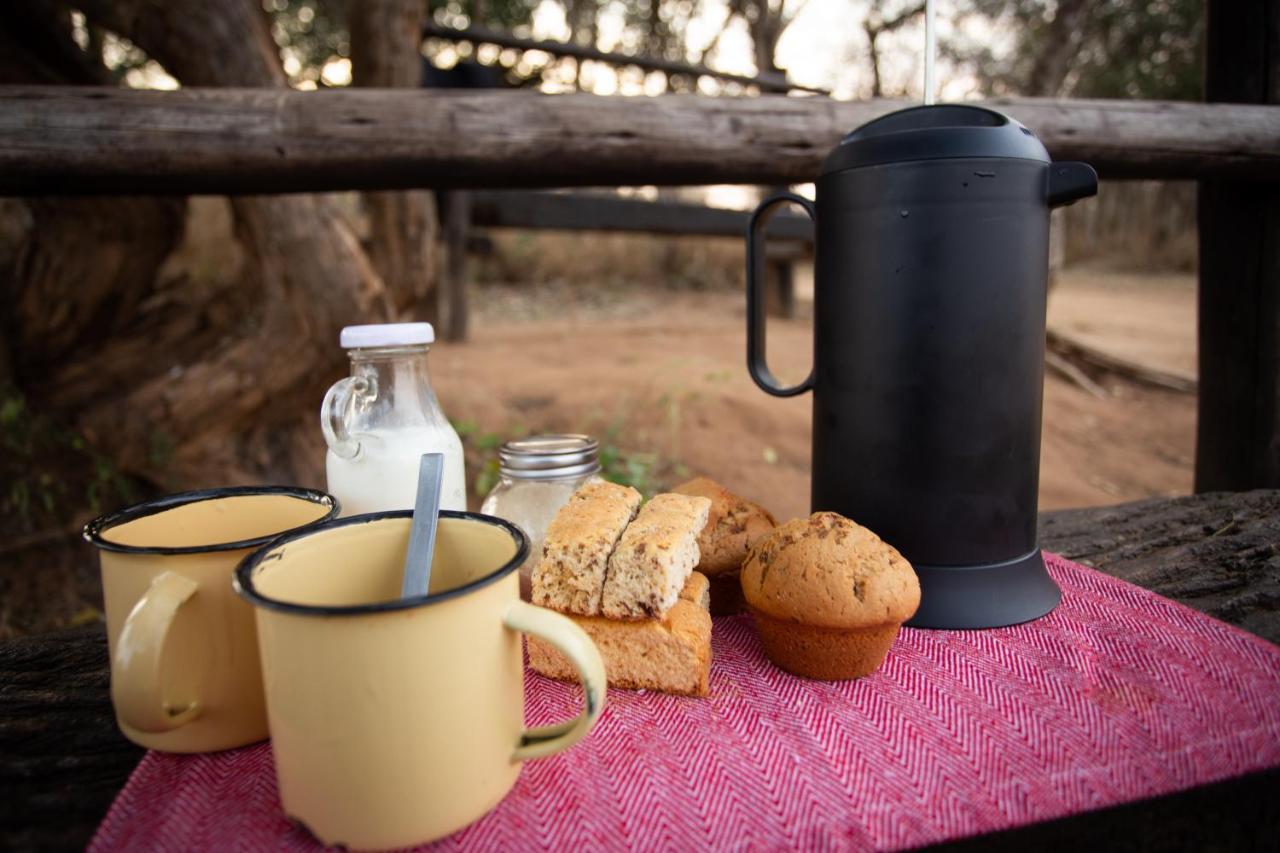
(537, 476)
(381, 419)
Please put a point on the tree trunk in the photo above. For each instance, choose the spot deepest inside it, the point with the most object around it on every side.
(385, 40)
(197, 401)
(765, 27)
(874, 25)
(73, 271)
(1049, 72)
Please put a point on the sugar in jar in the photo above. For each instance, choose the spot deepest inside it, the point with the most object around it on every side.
(537, 476)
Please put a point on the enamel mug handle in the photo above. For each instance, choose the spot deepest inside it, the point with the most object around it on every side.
(137, 685)
(572, 642)
(757, 363)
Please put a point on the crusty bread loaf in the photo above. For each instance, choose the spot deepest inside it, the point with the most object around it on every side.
(671, 654)
(733, 526)
(654, 557)
(570, 575)
(828, 596)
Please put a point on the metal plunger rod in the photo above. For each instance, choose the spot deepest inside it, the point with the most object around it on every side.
(930, 86)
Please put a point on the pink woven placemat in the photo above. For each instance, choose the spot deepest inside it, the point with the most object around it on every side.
(1117, 695)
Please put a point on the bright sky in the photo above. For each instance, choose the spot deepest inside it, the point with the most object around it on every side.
(824, 46)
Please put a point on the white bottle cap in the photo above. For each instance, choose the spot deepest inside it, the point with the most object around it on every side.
(386, 335)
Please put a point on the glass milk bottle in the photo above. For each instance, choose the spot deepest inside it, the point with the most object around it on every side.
(381, 419)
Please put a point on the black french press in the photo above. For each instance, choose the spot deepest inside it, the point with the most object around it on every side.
(932, 240)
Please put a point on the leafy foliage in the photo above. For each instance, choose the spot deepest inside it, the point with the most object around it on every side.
(494, 14)
(50, 472)
(1089, 48)
(312, 31)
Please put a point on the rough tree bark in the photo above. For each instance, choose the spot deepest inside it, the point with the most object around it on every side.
(237, 402)
(385, 39)
(73, 271)
(54, 139)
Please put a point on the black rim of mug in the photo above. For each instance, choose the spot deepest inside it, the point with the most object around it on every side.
(94, 531)
(249, 565)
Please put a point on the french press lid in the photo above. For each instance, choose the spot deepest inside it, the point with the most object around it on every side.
(935, 132)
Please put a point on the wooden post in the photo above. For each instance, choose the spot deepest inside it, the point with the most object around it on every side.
(1238, 439)
(457, 225)
(780, 299)
(779, 285)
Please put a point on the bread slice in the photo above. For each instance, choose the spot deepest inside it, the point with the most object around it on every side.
(670, 655)
(654, 557)
(570, 575)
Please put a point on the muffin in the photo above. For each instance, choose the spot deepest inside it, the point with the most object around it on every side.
(733, 526)
(828, 596)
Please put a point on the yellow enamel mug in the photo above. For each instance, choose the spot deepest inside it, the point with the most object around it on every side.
(396, 721)
(184, 654)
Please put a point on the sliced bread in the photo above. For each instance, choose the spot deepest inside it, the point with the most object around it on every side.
(654, 557)
(570, 575)
(671, 654)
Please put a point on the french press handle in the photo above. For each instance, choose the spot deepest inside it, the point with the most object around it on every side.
(757, 363)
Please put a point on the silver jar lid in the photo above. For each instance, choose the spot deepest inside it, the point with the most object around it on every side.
(546, 457)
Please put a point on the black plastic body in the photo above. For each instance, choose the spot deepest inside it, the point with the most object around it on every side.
(928, 369)
(929, 311)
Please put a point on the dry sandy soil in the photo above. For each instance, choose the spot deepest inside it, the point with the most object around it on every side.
(663, 373)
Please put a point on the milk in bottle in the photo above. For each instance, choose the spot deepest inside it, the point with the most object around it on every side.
(381, 419)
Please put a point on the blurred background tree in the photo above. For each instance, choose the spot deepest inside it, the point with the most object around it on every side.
(1088, 48)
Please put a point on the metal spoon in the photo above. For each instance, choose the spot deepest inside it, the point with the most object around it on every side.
(422, 536)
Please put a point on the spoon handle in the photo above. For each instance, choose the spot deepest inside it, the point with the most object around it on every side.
(422, 536)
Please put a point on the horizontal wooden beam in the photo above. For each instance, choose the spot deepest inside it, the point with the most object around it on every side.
(73, 140)
(480, 35)
(587, 212)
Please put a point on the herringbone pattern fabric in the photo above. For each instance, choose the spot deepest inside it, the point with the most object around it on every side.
(1117, 695)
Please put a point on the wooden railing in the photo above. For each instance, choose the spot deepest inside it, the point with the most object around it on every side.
(226, 141)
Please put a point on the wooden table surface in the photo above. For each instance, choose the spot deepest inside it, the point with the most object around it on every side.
(62, 760)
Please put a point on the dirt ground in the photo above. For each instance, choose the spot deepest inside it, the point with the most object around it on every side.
(662, 374)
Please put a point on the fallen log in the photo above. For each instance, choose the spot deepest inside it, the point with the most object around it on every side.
(62, 760)
(1078, 353)
(1218, 552)
(225, 141)
(1069, 371)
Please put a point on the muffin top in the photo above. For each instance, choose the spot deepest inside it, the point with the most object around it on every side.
(733, 525)
(826, 571)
